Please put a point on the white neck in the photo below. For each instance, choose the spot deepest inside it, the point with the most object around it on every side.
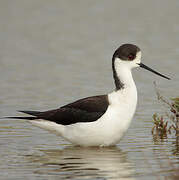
(124, 74)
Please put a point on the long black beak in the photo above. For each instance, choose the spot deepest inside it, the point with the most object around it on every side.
(146, 67)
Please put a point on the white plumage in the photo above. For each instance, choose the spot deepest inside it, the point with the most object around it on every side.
(98, 120)
(109, 128)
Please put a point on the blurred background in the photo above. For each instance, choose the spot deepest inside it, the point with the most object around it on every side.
(55, 52)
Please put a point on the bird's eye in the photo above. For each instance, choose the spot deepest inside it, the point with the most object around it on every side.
(131, 57)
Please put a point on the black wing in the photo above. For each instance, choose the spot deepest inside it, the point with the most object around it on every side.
(84, 110)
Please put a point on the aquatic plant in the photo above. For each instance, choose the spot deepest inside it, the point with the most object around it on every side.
(162, 127)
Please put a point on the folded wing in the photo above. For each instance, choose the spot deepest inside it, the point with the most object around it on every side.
(84, 110)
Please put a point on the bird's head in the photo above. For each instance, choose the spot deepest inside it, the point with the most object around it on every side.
(129, 56)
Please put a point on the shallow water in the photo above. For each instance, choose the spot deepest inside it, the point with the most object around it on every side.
(54, 52)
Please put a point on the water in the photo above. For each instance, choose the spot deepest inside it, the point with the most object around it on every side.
(55, 52)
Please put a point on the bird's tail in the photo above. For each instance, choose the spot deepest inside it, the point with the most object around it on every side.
(20, 117)
(33, 113)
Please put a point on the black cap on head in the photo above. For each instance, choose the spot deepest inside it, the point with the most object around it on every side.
(126, 52)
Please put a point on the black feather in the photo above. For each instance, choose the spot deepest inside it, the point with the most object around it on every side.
(33, 113)
(84, 110)
(16, 117)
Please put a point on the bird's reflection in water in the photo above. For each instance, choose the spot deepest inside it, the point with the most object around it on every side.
(84, 163)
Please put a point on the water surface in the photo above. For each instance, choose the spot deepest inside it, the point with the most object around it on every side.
(55, 52)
